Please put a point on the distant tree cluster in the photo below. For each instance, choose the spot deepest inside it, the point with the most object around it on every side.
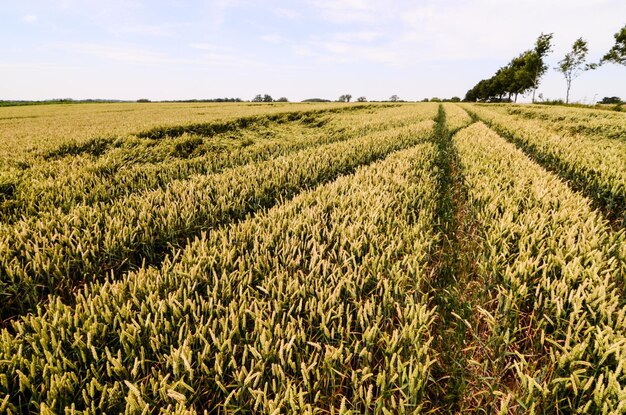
(611, 100)
(344, 98)
(436, 99)
(263, 98)
(316, 100)
(519, 76)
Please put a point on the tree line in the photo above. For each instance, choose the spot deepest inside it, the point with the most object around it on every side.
(524, 72)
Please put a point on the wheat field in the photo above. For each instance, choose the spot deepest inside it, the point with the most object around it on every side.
(395, 258)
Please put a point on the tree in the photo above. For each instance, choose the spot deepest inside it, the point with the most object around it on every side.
(282, 99)
(361, 99)
(470, 96)
(267, 98)
(573, 64)
(536, 65)
(345, 98)
(394, 98)
(258, 98)
(617, 54)
(610, 100)
(524, 74)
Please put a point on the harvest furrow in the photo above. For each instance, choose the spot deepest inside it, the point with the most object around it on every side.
(51, 254)
(316, 306)
(453, 288)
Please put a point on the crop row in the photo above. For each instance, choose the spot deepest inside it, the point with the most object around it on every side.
(27, 147)
(573, 121)
(139, 165)
(456, 117)
(50, 254)
(133, 165)
(313, 307)
(594, 165)
(553, 271)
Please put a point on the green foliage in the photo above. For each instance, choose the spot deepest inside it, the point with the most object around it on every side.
(617, 54)
(610, 100)
(263, 98)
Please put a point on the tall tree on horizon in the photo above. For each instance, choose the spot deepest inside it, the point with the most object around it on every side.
(536, 64)
(573, 64)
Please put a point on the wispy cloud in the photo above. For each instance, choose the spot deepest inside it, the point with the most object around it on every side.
(343, 52)
(203, 46)
(30, 18)
(287, 13)
(116, 52)
(209, 55)
(161, 30)
(353, 11)
(362, 36)
(274, 38)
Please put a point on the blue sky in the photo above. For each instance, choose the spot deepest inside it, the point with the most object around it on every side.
(179, 49)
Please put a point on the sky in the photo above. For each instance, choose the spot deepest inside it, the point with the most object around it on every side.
(186, 49)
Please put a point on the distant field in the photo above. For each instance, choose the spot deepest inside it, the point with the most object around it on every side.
(35, 128)
(312, 258)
